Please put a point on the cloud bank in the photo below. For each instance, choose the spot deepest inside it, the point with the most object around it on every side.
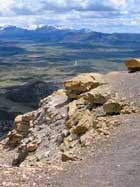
(104, 15)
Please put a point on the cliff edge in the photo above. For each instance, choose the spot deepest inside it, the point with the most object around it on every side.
(76, 125)
(71, 119)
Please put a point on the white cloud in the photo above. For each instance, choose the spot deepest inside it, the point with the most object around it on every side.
(8, 6)
(103, 15)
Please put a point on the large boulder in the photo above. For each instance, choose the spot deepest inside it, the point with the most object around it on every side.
(133, 64)
(82, 83)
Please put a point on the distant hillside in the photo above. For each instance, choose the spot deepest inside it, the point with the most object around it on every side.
(55, 35)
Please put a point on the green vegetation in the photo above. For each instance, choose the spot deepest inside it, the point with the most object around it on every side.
(56, 62)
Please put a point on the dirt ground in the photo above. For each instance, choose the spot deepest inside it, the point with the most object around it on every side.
(115, 164)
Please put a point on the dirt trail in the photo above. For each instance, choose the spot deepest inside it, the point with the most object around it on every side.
(126, 84)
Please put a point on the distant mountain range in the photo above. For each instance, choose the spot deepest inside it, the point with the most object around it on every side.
(67, 44)
(60, 35)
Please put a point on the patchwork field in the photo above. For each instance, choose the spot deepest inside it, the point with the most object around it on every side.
(21, 61)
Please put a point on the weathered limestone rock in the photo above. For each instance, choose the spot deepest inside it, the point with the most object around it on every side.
(133, 64)
(26, 117)
(22, 126)
(97, 96)
(75, 105)
(32, 146)
(119, 106)
(129, 108)
(83, 125)
(59, 92)
(112, 106)
(80, 122)
(105, 124)
(14, 138)
(72, 107)
(82, 83)
(18, 119)
(74, 119)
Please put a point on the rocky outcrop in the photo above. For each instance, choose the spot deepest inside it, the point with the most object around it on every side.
(22, 125)
(63, 123)
(21, 99)
(40, 131)
(133, 64)
(82, 83)
(80, 122)
(97, 96)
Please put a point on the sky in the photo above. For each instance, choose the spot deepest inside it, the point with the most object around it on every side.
(98, 15)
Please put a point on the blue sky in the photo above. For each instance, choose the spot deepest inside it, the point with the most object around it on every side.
(98, 15)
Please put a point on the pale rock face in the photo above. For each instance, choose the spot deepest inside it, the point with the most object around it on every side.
(22, 126)
(26, 117)
(18, 119)
(72, 107)
(84, 123)
(14, 138)
(82, 83)
(133, 64)
(80, 122)
(97, 96)
(76, 105)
